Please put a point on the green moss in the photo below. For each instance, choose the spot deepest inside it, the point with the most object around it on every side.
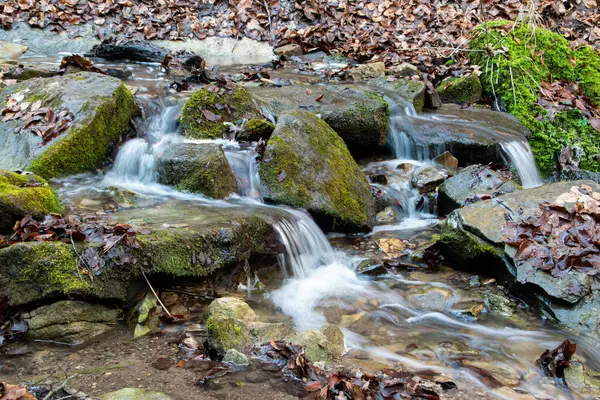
(230, 107)
(463, 90)
(471, 248)
(87, 145)
(320, 173)
(22, 195)
(413, 91)
(523, 59)
(225, 334)
(256, 129)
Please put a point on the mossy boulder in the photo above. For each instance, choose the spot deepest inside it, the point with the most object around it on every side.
(523, 59)
(471, 184)
(22, 195)
(197, 168)
(359, 116)
(255, 129)
(472, 237)
(324, 345)
(462, 90)
(205, 112)
(411, 91)
(306, 164)
(232, 324)
(102, 106)
(69, 321)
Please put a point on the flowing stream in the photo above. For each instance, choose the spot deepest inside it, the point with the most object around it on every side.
(381, 317)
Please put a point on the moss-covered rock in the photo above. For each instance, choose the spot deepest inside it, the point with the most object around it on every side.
(218, 108)
(197, 168)
(306, 164)
(523, 58)
(412, 91)
(22, 195)
(360, 116)
(256, 129)
(462, 90)
(324, 345)
(134, 394)
(232, 324)
(102, 106)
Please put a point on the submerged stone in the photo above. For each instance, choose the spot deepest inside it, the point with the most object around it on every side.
(197, 168)
(205, 112)
(306, 164)
(102, 107)
(22, 195)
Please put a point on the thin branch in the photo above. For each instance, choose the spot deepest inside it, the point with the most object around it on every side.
(60, 387)
(155, 295)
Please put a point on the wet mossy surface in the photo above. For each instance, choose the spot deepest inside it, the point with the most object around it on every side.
(22, 195)
(523, 59)
(307, 165)
(228, 107)
(463, 90)
(256, 129)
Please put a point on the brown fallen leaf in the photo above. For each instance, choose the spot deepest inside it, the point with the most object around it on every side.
(210, 116)
(14, 392)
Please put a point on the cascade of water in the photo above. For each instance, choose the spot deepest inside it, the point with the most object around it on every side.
(521, 157)
(244, 166)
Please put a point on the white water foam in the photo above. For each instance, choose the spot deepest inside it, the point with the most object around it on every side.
(521, 157)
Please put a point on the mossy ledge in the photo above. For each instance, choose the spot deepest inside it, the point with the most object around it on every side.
(88, 143)
(523, 58)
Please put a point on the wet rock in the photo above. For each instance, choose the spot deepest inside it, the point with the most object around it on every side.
(470, 185)
(11, 51)
(581, 379)
(371, 267)
(144, 316)
(323, 345)
(387, 216)
(204, 113)
(22, 195)
(133, 51)
(366, 71)
(406, 168)
(255, 129)
(576, 175)
(471, 237)
(232, 324)
(72, 322)
(235, 357)
(499, 303)
(134, 394)
(197, 168)
(22, 71)
(431, 298)
(446, 159)
(471, 134)
(289, 50)
(427, 178)
(306, 164)
(404, 70)
(102, 106)
(466, 90)
(359, 116)
(409, 90)
(502, 374)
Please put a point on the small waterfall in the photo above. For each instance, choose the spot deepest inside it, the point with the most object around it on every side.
(521, 157)
(244, 166)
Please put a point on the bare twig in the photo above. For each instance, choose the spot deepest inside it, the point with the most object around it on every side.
(155, 295)
(512, 82)
(268, 9)
(60, 387)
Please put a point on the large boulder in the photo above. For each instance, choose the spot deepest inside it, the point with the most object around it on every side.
(69, 321)
(197, 168)
(473, 134)
(101, 107)
(472, 237)
(470, 185)
(306, 164)
(360, 116)
(22, 195)
(205, 112)
(232, 324)
(38, 271)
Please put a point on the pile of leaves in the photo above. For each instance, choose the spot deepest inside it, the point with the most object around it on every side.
(341, 385)
(554, 362)
(391, 31)
(79, 62)
(560, 95)
(562, 236)
(14, 392)
(41, 121)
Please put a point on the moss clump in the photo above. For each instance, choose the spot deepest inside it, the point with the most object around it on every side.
(225, 334)
(256, 129)
(22, 195)
(522, 59)
(87, 144)
(229, 107)
(308, 165)
(464, 90)
(32, 271)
